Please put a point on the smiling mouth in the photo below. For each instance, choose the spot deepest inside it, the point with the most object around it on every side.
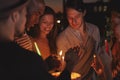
(47, 30)
(75, 25)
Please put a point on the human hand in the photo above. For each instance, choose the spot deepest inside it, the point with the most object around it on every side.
(97, 67)
(71, 56)
(105, 57)
(53, 62)
(106, 60)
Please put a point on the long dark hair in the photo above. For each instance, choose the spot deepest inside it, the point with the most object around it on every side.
(53, 33)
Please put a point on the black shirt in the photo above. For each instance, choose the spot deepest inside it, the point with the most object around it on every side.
(17, 63)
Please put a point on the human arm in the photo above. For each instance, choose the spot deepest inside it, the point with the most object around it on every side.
(105, 61)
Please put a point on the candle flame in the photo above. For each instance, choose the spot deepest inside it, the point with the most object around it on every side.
(105, 40)
(60, 53)
(94, 56)
(63, 58)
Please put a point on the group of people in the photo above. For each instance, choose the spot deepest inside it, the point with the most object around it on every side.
(25, 22)
(22, 63)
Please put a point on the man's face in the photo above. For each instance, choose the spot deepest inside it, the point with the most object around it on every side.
(75, 18)
(35, 14)
(117, 32)
(20, 25)
(46, 24)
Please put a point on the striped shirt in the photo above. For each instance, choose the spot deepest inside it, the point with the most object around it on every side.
(25, 42)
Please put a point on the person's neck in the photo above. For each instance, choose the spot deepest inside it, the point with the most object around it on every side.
(42, 36)
(81, 28)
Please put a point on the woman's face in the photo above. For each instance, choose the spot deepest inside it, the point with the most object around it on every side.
(117, 32)
(46, 23)
(75, 18)
(115, 19)
(35, 13)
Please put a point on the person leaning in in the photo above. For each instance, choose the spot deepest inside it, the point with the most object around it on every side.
(18, 63)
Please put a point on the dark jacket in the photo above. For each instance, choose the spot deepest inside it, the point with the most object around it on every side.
(17, 63)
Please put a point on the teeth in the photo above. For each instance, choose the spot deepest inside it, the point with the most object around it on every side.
(47, 29)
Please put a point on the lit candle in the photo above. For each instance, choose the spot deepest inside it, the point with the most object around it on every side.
(94, 56)
(60, 54)
(63, 58)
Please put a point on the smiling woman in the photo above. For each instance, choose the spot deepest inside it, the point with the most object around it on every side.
(44, 35)
(57, 5)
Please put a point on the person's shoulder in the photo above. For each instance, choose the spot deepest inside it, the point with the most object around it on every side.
(62, 37)
(24, 53)
(63, 33)
(12, 51)
(28, 53)
(92, 27)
